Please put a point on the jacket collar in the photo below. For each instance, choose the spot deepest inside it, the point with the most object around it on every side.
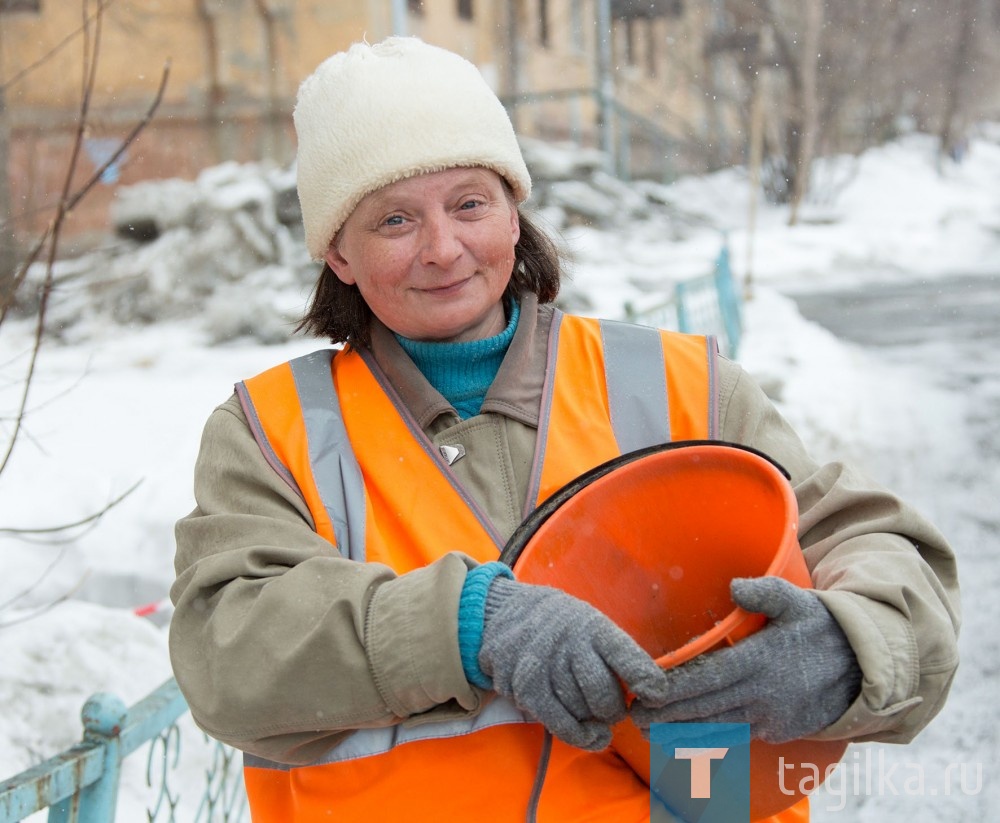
(516, 392)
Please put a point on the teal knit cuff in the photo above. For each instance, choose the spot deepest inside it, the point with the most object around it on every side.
(471, 608)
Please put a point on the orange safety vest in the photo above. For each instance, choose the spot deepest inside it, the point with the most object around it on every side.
(376, 486)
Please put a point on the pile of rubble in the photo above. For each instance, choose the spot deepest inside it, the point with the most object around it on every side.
(225, 250)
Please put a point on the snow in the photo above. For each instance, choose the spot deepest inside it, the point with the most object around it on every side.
(119, 400)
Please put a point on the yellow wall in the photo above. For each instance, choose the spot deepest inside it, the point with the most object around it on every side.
(235, 66)
(257, 54)
(234, 54)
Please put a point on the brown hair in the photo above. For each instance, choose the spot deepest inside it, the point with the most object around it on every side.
(339, 312)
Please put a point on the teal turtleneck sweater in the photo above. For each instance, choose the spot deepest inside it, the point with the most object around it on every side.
(463, 372)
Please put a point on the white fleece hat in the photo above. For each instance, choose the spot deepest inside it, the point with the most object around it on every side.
(375, 114)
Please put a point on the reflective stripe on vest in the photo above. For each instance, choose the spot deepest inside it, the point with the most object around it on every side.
(366, 742)
(376, 488)
(611, 388)
(337, 475)
(637, 385)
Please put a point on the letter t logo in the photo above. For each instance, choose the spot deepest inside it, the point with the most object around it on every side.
(701, 768)
(700, 771)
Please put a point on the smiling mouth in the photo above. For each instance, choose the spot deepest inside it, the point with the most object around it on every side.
(450, 287)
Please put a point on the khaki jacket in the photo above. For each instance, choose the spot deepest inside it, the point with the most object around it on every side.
(282, 647)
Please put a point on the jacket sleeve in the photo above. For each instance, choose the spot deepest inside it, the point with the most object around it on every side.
(886, 574)
(279, 644)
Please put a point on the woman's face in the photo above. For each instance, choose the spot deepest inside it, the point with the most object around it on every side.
(432, 254)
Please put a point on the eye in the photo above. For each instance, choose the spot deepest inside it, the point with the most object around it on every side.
(393, 220)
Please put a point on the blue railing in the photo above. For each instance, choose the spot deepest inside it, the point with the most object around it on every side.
(709, 304)
(80, 785)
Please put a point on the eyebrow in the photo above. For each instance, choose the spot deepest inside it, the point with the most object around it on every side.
(475, 175)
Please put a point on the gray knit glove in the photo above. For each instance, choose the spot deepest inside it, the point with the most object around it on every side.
(794, 677)
(562, 661)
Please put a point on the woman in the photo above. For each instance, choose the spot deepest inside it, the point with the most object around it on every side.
(341, 616)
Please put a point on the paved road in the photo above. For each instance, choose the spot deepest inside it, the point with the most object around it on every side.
(954, 323)
(950, 327)
(948, 331)
(964, 309)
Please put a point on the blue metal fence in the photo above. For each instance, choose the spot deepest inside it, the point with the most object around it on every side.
(709, 304)
(80, 785)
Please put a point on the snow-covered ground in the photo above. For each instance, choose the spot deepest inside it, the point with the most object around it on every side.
(117, 405)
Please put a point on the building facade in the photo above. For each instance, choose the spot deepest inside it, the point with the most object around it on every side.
(603, 73)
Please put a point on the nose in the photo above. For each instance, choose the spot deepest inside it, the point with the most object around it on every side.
(440, 244)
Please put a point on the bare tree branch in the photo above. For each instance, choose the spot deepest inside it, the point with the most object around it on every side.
(125, 143)
(36, 583)
(89, 74)
(48, 243)
(19, 76)
(66, 203)
(24, 618)
(32, 257)
(89, 519)
(808, 115)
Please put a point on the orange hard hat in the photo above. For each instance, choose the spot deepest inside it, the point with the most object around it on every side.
(653, 539)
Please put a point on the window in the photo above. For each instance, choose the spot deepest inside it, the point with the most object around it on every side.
(20, 5)
(576, 26)
(415, 6)
(465, 9)
(630, 49)
(651, 47)
(624, 9)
